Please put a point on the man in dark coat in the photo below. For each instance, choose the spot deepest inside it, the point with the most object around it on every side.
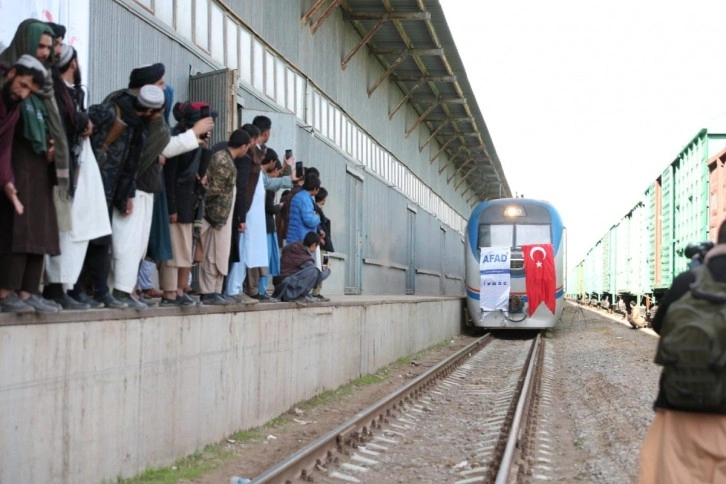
(298, 272)
(17, 83)
(118, 140)
(40, 165)
(183, 176)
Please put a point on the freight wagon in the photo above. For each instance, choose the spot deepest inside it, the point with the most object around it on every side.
(639, 256)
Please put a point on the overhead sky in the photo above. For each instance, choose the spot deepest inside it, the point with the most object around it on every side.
(588, 102)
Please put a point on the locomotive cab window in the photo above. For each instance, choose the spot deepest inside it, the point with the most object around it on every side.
(533, 234)
(506, 235)
(496, 235)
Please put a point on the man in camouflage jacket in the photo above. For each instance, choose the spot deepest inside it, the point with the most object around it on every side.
(217, 226)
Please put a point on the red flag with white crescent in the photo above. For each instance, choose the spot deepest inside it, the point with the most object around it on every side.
(539, 270)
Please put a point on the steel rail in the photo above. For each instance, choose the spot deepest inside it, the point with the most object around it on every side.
(320, 452)
(505, 465)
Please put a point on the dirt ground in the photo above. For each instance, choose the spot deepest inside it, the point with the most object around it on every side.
(304, 423)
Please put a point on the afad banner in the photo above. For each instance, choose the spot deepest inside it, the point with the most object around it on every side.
(74, 14)
(495, 278)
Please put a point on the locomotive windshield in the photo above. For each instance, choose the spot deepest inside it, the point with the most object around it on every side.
(513, 235)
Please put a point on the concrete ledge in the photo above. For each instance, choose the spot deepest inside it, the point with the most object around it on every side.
(87, 396)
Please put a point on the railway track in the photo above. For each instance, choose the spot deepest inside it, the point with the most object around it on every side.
(487, 393)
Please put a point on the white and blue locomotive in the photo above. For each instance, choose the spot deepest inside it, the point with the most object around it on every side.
(508, 242)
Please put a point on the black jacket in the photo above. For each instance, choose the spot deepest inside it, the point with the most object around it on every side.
(180, 176)
(271, 210)
(325, 227)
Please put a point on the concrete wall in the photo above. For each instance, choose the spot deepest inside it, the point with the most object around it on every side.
(92, 399)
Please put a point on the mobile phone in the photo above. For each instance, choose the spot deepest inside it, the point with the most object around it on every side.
(298, 169)
(288, 154)
(326, 259)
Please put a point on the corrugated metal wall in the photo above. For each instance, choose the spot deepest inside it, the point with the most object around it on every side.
(122, 40)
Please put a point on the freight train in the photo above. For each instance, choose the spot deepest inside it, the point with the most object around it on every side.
(638, 257)
(515, 258)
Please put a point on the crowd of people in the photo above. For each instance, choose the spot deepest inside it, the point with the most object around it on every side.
(95, 199)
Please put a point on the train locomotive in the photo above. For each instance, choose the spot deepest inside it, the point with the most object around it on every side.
(515, 262)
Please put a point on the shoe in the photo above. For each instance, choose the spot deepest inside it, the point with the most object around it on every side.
(169, 303)
(41, 305)
(266, 298)
(129, 300)
(67, 302)
(111, 302)
(13, 304)
(152, 293)
(214, 299)
(186, 301)
(84, 298)
(242, 298)
(304, 300)
(321, 298)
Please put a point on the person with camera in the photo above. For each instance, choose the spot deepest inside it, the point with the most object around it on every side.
(686, 442)
(184, 180)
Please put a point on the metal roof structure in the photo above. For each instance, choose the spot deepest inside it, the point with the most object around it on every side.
(413, 43)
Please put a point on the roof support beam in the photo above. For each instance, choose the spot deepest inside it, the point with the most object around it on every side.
(458, 184)
(457, 120)
(390, 69)
(416, 52)
(403, 101)
(421, 118)
(362, 42)
(389, 16)
(441, 150)
(394, 77)
(333, 5)
(452, 158)
(458, 170)
(436, 131)
(309, 14)
(441, 100)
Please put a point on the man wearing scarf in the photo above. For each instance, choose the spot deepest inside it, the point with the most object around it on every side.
(36, 38)
(118, 139)
(88, 212)
(132, 229)
(39, 141)
(16, 84)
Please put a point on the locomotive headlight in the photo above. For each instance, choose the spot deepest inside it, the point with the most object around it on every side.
(514, 211)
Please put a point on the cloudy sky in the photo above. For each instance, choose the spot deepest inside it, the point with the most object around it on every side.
(588, 102)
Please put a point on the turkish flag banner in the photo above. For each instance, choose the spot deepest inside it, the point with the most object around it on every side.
(539, 270)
